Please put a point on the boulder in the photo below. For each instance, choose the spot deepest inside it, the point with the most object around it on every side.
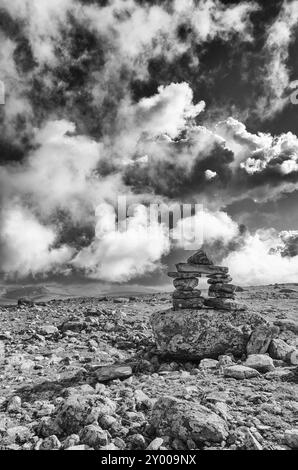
(240, 372)
(260, 339)
(279, 349)
(187, 421)
(190, 303)
(260, 362)
(197, 334)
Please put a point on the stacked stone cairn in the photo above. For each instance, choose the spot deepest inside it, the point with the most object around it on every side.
(221, 291)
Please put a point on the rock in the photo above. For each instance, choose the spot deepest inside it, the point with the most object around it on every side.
(260, 362)
(204, 333)
(94, 436)
(18, 434)
(70, 325)
(192, 303)
(290, 325)
(142, 400)
(279, 349)
(80, 447)
(26, 302)
(291, 438)
(50, 443)
(224, 304)
(251, 443)
(229, 288)
(14, 405)
(279, 373)
(191, 294)
(71, 441)
(200, 269)
(73, 412)
(121, 300)
(199, 257)
(187, 421)
(106, 373)
(185, 284)
(2, 351)
(48, 330)
(218, 280)
(240, 372)
(260, 339)
(155, 444)
(176, 274)
(208, 364)
(136, 441)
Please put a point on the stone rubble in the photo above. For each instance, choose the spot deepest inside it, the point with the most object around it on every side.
(86, 373)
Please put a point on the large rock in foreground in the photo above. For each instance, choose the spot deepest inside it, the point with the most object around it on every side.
(195, 334)
(187, 421)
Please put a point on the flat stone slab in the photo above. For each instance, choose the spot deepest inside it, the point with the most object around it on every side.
(191, 294)
(176, 274)
(200, 268)
(192, 334)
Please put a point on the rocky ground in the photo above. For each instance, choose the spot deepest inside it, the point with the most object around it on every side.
(84, 374)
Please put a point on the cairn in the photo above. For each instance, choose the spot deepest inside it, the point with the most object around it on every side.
(221, 292)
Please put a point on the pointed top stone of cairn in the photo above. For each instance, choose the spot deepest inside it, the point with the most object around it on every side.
(199, 257)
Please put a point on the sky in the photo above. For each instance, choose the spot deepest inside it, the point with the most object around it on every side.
(161, 102)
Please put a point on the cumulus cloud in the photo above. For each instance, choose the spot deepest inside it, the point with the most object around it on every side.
(280, 36)
(118, 256)
(27, 247)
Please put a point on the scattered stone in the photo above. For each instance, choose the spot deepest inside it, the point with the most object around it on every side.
(14, 404)
(156, 444)
(209, 364)
(48, 330)
(106, 373)
(240, 372)
(291, 438)
(289, 325)
(26, 302)
(186, 420)
(50, 443)
(260, 362)
(260, 339)
(279, 349)
(18, 434)
(94, 436)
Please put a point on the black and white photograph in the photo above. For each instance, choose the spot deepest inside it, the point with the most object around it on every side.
(148, 228)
